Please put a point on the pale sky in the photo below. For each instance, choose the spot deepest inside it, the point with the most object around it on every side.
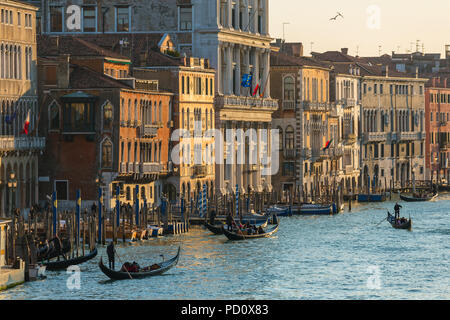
(401, 23)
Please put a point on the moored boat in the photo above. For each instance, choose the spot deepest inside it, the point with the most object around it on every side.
(418, 197)
(64, 264)
(143, 273)
(280, 211)
(233, 235)
(371, 197)
(316, 209)
(402, 223)
(217, 228)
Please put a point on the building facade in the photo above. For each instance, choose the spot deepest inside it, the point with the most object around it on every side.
(344, 90)
(192, 82)
(437, 106)
(393, 129)
(232, 35)
(104, 128)
(19, 151)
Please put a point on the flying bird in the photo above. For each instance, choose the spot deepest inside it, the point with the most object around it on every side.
(338, 15)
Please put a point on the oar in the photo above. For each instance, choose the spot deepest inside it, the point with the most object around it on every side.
(381, 222)
(122, 264)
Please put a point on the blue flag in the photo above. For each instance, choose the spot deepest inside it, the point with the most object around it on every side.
(247, 80)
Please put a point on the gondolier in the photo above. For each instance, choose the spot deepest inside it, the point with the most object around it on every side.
(110, 251)
(397, 210)
(229, 221)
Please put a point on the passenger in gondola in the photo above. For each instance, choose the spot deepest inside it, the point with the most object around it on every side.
(58, 247)
(110, 251)
(261, 230)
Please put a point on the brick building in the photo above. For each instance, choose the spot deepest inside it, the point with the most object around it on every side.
(103, 127)
(437, 124)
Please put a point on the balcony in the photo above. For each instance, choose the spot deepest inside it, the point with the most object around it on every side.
(444, 145)
(130, 167)
(374, 137)
(150, 168)
(289, 105)
(348, 103)
(123, 167)
(410, 136)
(290, 154)
(149, 130)
(316, 106)
(245, 102)
(11, 143)
(199, 171)
(350, 138)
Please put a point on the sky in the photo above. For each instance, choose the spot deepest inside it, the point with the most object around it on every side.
(395, 25)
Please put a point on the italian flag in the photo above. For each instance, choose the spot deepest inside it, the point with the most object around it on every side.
(256, 90)
(26, 124)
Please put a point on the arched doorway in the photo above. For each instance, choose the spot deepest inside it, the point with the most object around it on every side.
(170, 191)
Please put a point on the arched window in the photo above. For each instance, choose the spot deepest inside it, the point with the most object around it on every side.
(129, 110)
(155, 113)
(289, 89)
(107, 117)
(160, 112)
(182, 85)
(135, 110)
(280, 137)
(2, 61)
(289, 139)
(106, 154)
(128, 192)
(54, 116)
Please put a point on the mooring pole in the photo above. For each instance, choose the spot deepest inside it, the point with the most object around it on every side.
(100, 203)
(77, 217)
(55, 211)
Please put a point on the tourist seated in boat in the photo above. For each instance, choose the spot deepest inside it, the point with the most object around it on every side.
(130, 267)
(212, 217)
(261, 230)
(152, 267)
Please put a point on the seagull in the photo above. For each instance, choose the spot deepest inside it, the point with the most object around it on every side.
(338, 15)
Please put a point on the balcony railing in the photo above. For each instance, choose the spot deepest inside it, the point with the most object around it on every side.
(316, 106)
(245, 102)
(199, 171)
(290, 153)
(22, 143)
(374, 137)
(348, 103)
(289, 105)
(149, 130)
(410, 136)
(150, 168)
(306, 153)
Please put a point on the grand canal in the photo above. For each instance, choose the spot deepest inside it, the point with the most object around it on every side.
(347, 256)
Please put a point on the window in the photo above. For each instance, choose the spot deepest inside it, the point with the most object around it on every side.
(56, 19)
(289, 143)
(288, 169)
(106, 154)
(280, 137)
(185, 19)
(381, 89)
(54, 117)
(122, 19)
(78, 117)
(107, 117)
(289, 89)
(182, 85)
(365, 88)
(61, 188)
(50, 75)
(18, 19)
(89, 19)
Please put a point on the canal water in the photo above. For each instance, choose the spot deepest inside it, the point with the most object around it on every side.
(346, 256)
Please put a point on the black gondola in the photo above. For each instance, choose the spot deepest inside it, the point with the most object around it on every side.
(415, 198)
(402, 225)
(239, 236)
(64, 264)
(217, 229)
(120, 275)
(44, 253)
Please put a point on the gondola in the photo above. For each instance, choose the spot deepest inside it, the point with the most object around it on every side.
(120, 275)
(217, 229)
(413, 198)
(43, 253)
(237, 236)
(394, 224)
(64, 264)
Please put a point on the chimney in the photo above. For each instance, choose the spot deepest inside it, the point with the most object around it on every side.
(344, 51)
(297, 49)
(433, 82)
(445, 83)
(385, 71)
(63, 71)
